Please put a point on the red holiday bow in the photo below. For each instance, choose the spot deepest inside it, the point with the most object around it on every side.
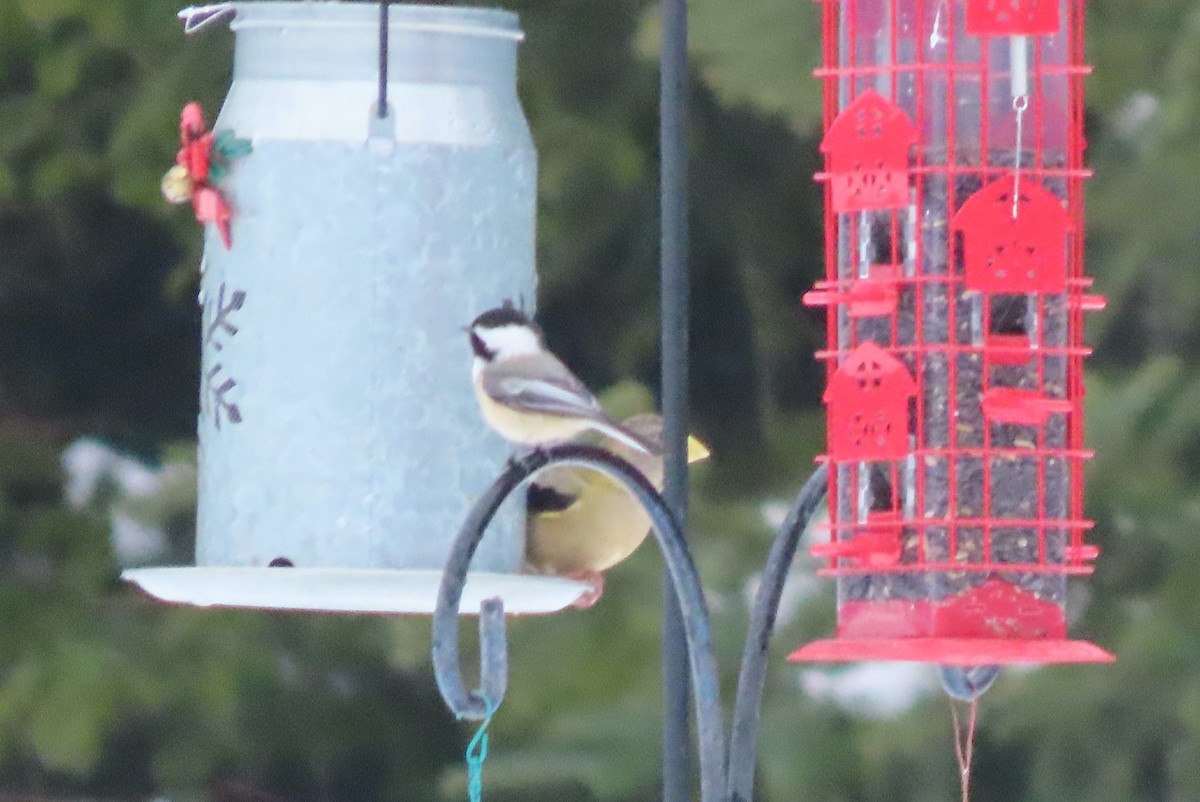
(198, 165)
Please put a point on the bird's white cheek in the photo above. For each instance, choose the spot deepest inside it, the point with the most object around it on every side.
(508, 341)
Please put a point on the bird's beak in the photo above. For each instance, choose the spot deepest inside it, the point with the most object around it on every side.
(696, 451)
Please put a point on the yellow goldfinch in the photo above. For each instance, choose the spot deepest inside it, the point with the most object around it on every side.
(581, 522)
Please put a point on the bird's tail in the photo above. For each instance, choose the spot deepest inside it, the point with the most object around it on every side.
(630, 438)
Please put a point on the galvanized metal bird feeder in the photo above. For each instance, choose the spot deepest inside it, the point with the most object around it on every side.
(389, 197)
(955, 298)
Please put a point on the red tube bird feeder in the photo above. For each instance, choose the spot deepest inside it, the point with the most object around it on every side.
(955, 298)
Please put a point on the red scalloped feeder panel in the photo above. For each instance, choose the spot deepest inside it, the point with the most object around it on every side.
(1012, 17)
(867, 147)
(867, 401)
(1007, 254)
(993, 609)
(998, 609)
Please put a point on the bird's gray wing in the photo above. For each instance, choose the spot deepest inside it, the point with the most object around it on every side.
(539, 383)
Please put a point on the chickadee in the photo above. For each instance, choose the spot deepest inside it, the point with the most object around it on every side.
(581, 522)
(525, 393)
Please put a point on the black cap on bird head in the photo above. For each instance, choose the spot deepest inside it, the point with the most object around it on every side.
(506, 314)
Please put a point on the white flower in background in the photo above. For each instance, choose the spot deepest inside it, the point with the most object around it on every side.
(139, 499)
(1138, 110)
(876, 690)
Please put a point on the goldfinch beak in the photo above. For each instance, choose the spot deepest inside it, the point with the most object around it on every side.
(696, 451)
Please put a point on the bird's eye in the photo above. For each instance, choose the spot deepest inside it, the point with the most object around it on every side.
(480, 347)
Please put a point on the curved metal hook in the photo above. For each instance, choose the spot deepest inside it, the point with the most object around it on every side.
(684, 578)
(747, 709)
(493, 641)
(196, 18)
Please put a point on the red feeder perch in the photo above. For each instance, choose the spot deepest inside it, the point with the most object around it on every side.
(955, 296)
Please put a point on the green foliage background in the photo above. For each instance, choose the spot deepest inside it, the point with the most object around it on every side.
(106, 696)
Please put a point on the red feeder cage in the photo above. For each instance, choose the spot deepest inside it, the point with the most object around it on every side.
(955, 297)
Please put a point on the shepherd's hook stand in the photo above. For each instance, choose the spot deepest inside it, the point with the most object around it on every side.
(716, 782)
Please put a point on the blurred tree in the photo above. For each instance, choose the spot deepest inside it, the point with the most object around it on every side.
(94, 335)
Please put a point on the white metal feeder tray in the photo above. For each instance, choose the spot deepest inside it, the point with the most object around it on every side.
(349, 590)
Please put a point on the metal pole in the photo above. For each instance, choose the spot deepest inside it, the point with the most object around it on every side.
(674, 311)
(382, 110)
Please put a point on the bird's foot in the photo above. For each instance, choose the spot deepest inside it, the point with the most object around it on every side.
(593, 578)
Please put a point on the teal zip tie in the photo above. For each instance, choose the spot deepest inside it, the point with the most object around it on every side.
(477, 751)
